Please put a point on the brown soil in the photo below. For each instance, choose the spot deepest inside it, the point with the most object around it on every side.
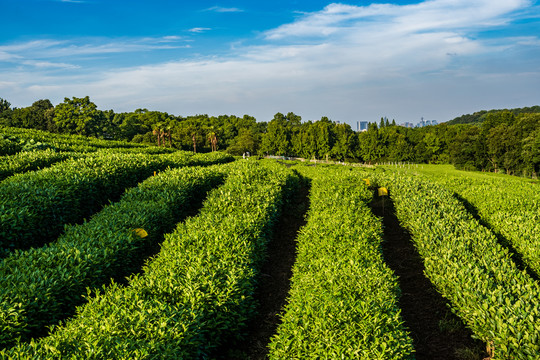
(437, 333)
(274, 283)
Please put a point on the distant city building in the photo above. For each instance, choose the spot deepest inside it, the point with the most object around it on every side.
(362, 125)
(422, 123)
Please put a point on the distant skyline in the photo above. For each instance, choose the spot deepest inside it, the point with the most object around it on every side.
(350, 61)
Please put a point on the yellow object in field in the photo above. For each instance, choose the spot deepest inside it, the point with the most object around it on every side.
(140, 233)
(383, 191)
(367, 181)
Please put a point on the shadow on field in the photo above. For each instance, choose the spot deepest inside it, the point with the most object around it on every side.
(436, 332)
(151, 249)
(274, 282)
(503, 241)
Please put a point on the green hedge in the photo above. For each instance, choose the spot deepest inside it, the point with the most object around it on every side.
(9, 146)
(31, 138)
(467, 265)
(35, 206)
(510, 206)
(31, 160)
(195, 294)
(343, 298)
(40, 286)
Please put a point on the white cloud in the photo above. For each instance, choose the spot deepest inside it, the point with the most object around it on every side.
(434, 15)
(224, 9)
(170, 38)
(36, 51)
(199, 29)
(30, 45)
(347, 62)
(47, 64)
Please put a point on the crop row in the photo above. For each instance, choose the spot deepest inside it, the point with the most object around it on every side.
(35, 206)
(40, 286)
(195, 294)
(17, 139)
(343, 298)
(31, 160)
(511, 207)
(467, 265)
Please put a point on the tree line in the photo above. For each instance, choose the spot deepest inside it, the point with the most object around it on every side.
(505, 141)
(479, 116)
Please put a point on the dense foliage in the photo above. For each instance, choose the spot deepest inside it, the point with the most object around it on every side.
(468, 266)
(196, 294)
(343, 302)
(479, 116)
(40, 286)
(510, 206)
(36, 205)
(31, 160)
(500, 141)
(14, 140)
(192, 297)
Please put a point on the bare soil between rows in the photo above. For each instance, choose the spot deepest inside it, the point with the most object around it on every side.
(274, 283)
(437, 333)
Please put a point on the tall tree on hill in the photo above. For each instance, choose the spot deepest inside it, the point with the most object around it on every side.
(77, 116)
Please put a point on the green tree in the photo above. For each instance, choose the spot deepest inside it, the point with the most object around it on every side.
(501, 145)
(370, 149)
(277, 140)
(5, 112)
(432, 146)
(467, 150)
(77, 116)
(246, 141)
(531, 152)
(344, 143)
(38, 116)
(495, 119)
(4, 105)
(398, 147)
(324, 137)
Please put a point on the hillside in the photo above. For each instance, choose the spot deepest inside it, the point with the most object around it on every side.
(479, 116)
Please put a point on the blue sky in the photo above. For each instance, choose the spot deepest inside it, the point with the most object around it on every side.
(350, 61)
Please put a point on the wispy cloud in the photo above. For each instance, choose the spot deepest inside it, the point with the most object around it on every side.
(435, 15)
(408, 61)
(224, 9)
(170, 38)
(34, 52)
(199, 29)
(48, 64)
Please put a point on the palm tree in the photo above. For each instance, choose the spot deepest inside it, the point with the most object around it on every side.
(213, 140)
(157, 133)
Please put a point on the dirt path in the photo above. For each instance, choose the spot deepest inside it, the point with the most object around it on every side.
(437, 333)
(274, 283)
